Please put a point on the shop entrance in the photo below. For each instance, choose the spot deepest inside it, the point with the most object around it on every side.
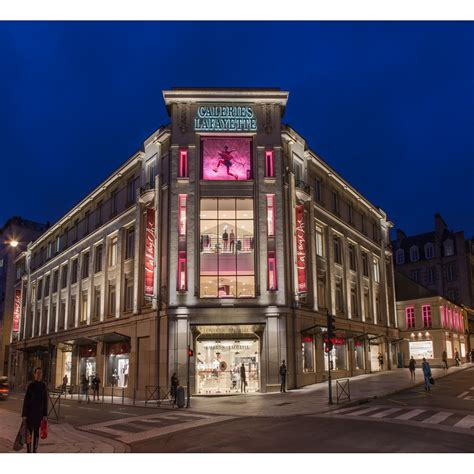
(219, 366)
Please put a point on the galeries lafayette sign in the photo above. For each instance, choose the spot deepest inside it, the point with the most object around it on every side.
(300, 248)
(225, 118)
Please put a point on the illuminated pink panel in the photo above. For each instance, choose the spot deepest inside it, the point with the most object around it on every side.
(182, 215)
(183, 164)
(271, 214)
(443, 316)
(426, 312)
(269, 165)
(272, 272)
(451, 325)
(226, 159)
(182, 272)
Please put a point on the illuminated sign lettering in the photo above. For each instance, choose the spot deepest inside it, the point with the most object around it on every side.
(225, 118)
(16, 312)
(150, 252)
(300, 248)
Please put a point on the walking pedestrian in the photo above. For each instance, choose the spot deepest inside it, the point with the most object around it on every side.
(35, 409)
(65, 381)
(380, 358)
(412, 367)
(444, 356)
(283, 377)
(472, 356)
(425, 366)
(96, 387)
(174, 387)
(85, 388)
(456, 358)
(243, 379)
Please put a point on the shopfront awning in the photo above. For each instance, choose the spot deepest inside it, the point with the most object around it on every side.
(79, 341)
(111, 337)
(33, 348)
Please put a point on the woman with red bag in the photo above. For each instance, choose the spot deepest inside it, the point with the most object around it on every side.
(35, 411)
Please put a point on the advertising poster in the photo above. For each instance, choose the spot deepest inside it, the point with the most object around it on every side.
(149, 252)
(227, 159)
(420, 349)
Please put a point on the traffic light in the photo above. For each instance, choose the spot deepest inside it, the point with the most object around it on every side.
(331, 326)
(190, 352)
(328, 346)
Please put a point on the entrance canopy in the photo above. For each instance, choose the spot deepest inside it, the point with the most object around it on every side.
(111, 337)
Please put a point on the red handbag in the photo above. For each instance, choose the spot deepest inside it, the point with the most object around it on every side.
(44, 429)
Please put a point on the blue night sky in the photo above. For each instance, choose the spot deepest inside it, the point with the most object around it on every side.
(388, 105)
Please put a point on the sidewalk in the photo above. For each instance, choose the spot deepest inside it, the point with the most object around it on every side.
(313, 399)
(62, 438)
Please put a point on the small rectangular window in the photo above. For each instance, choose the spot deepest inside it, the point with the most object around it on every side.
(131, 190)
(319, 241)
(317, 190)
(85, 265)
(182, 270)
(97, 300)
(74, 271)
(269, 164)
(271, 215)
(376, 270)
(128, 294)
(84, 308)
(272, 272)
(182, 215)
(130, 243)
(98, 259)
(337, 250)
(113, 203)
(410, 317)
(113, 252)
(335, 202)
(111, 300)
(64, 276)
(352, 258)
(183, 164)
(426, 312)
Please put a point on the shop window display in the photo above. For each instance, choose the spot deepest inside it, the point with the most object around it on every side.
(359, 359)
(307, 353)
(338, 357)
(117, 365)
(219, 366)
(227, 248)
(87, 362)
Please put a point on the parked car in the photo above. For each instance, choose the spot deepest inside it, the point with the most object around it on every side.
(4, 389)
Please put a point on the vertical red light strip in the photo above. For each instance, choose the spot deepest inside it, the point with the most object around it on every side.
(182, 215)
(272, 272)
(182, 283)
(183, 164)
(149, 252)
(300, 248)
(269, 166)
(271, 214)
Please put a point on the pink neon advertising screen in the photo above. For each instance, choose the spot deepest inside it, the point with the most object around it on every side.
(226, 159)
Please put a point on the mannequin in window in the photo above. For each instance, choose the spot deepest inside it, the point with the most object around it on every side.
(232, 240)
(225, 239)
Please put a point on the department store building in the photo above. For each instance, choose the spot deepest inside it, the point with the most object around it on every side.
(226, 233)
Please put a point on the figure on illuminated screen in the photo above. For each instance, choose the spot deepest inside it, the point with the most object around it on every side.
(226, 158)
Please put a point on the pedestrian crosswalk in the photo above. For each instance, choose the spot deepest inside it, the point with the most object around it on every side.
(467, 395)
(424, 416)
(143, 427)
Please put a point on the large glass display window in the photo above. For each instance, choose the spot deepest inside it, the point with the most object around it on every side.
(338, 357)
(359, 359)
(307, 353)
(226, 158)
(227, 366)
(117, 364)
(87, 362)
(227, 248)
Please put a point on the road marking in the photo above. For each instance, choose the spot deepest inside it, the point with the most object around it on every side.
(463, 394)
(466, 422)
(89, 408)
(385, 413)
(64, 405)
(123, 413)
(437, 417)
(410, 414)
(365, 410)
(397, 401)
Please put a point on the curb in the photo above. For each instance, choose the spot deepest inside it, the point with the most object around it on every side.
(361, 401)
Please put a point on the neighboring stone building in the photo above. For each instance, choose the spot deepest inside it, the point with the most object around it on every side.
(429, 324)
(441, 260)
(14, 236)
(224, 233)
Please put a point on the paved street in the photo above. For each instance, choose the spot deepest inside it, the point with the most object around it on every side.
(408, 421)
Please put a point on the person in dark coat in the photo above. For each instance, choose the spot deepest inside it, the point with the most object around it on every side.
(412, 367)
(95, 387)
(243, 379)
(283, 377)
(174, 387)
(425, 366)
(35, 409)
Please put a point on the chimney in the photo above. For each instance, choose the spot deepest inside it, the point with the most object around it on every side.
(440, 225)
(401, 235)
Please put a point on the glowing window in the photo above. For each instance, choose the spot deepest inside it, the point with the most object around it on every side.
(410, 317)
(271, 214)
(426, 313)
(183, 164)
(269, 165)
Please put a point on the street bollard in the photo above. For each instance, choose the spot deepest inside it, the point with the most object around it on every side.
(102, 394)
(112, 394)
(123, 395)
(134, 396)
